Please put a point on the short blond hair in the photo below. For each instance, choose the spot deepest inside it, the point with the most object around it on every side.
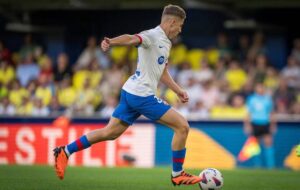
(174, 10)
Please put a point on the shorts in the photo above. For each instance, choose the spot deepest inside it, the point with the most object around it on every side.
(132, 106)
(261, 130)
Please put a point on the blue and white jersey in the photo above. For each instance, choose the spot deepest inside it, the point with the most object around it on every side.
(260, 109)
(153, 54)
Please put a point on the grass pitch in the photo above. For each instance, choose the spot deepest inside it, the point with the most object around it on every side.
(83, 178)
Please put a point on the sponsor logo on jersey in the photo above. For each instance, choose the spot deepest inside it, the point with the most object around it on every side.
(161, 60)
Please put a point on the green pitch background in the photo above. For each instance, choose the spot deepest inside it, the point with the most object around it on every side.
(83, 178)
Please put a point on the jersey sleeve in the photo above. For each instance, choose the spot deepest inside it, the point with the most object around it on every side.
(145, 38)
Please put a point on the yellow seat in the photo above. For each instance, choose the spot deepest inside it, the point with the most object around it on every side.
(194, 57)
(178, 54)
(213, 56)
(118, 53)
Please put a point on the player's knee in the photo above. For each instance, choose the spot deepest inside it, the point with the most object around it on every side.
(184, 128)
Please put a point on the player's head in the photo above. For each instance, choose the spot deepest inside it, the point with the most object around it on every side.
(172, 20)
(260, 88)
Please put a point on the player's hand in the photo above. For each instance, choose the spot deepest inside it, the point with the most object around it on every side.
(105, 44)
(183, 96)
(248, 129)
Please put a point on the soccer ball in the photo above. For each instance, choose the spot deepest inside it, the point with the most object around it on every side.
(212, 179)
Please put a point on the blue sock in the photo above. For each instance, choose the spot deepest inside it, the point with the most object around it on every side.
(178, 159)
(269, 157)
(79, 144)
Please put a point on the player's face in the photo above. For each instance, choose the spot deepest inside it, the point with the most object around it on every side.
(259, 88)
(175, 27)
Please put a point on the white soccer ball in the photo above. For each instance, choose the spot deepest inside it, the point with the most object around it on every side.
(212, 179)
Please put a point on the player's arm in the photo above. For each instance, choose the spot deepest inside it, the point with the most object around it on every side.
(247, 125)
(123, 40)
(273, 125)
(168, 80)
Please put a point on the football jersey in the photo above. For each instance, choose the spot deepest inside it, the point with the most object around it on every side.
(153, 53)
(260, 108)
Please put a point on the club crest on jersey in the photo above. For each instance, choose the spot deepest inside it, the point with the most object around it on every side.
(161, 60)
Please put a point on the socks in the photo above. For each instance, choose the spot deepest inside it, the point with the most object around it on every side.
(79, 144)
(269, 157)
(178, 160)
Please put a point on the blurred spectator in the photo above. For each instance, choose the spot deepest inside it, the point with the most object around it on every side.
(25, 108)
(178, 52)
(291, 73)
(209, 95)
(6, 108)
(84, 99)
(114, 78)
(257, 47)
(235, 76)
(283, 97)
(27, 70)
(238, 109)
(219, 110)
(205, 73)
(296, 109)
(31, 88)
(258, 73)
(55, 108)
(39, 109)
(261, 123)
(5, 54)
(110, 104)
(184, 74)
(27, 48)
(91, 52)
(220, 70)
(194, 90)
(199, 111)
(43, 91)
(46, 69)
(95, 74)
(62, 68)
(244, 46)
(79, 77)
(223, 47)
(247, 89)
(66, 93)
(271, 80)
(7, 72)
(17, 93)
(3, 91)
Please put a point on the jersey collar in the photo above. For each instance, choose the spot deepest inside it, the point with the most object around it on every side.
(163, 33)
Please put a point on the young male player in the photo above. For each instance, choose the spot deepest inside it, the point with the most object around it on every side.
(138, 95)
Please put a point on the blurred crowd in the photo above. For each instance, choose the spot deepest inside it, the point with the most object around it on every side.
(218, 79)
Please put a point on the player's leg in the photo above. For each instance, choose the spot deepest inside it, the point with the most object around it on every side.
(269, 150)
(111, 131)
(123, 116)
(180, 126)
(257, 133)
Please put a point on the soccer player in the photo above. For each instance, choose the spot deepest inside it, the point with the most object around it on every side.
(261, 123)
(138, 95)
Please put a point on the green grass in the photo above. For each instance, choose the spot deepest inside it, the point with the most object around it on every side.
(82, 178)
